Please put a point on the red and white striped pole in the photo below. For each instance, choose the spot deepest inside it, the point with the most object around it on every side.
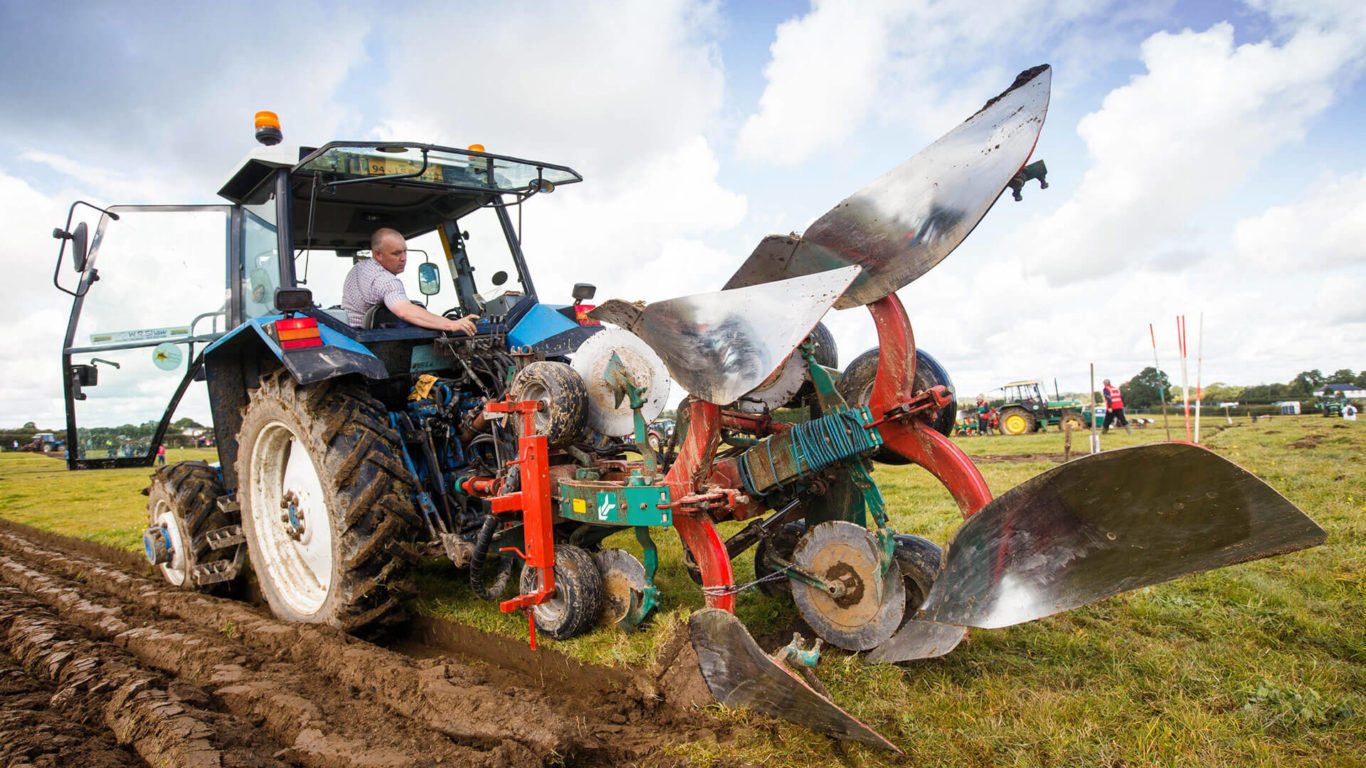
(1199, 361)
(1185, 379)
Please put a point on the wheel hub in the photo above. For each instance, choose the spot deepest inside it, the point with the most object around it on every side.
(865, 603)
(293, 516)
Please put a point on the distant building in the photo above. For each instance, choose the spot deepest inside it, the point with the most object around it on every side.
(1349, 391)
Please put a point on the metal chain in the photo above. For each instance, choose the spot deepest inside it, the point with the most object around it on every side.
(735, 589)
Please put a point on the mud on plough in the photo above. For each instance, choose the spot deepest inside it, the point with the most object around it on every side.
(1081, 532)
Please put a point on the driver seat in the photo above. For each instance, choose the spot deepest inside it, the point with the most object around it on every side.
(380, 316)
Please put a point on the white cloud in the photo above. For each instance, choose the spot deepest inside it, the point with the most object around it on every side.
(1188, 131)
(170, 90)
(1326, 230)
(846, 62)
(821, 81)
(630, 110)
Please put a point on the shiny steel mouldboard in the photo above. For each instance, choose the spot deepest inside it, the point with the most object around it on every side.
(905, 222)
(1106, 524)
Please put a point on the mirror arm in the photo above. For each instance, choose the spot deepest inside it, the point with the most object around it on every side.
(64, 235)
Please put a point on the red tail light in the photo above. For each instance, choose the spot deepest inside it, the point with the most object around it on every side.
(298, 332)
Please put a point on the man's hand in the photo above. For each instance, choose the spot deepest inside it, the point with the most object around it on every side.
(464, 325)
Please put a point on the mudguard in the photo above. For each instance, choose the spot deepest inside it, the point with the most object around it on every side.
(340, 355)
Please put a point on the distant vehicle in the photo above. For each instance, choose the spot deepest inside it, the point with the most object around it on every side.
(1026, 409)
(660, 433)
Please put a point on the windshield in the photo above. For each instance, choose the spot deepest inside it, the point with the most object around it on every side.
(442, 166)
(497, 281)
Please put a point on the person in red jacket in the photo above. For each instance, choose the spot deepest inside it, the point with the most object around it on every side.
(1114, 408)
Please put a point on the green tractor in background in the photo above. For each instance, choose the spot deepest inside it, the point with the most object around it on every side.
(1025, 409)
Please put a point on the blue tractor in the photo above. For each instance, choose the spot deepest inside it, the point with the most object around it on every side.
(342, 450)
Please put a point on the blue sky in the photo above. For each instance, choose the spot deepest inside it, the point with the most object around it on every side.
(1204, 157)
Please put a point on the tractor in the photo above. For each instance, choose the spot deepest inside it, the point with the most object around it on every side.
(1025, 409)
(346, 453)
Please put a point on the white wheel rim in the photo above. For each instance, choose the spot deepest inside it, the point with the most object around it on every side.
(299, 569)
(164, 517)
(551, 612)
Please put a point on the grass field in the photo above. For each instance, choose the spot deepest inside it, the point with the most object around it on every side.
(1259, 664)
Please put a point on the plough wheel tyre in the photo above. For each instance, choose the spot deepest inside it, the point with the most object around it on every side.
(349, 569)
(919, 561)
(576, 604)
(1016, 421)
(784, 541)
(563, 396)
(183, 497)
(856, 387)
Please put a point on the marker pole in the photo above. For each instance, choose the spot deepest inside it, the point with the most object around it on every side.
(1185, 379)
(1199, 360)
(1161, 392)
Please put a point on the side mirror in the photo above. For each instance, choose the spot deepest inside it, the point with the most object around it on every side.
(584, 291)
(293, 299)
(79, 240)
(428, 279)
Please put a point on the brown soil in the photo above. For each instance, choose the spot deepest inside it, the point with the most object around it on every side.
(101, 665)
(1024, 458)
(1308, 442)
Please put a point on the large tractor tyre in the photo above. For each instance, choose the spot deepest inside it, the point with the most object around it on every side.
(326, 503)
(576, 603)
(563, 397)
(1073, 421)
(856, 387)
(1016, 421)
(919, 561)
(182, 506)
(783, 542)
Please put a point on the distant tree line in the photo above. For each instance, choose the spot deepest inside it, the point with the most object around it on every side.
(1142, 390)
(100, 441)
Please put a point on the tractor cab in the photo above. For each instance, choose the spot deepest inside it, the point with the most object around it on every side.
(157, 286)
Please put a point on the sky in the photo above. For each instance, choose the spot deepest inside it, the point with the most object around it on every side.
(1204, 159)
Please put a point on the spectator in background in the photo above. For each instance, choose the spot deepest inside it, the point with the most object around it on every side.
(161, 455)
(1114, 408)
(983, 414)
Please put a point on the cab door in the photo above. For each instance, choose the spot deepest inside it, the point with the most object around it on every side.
(153, 292)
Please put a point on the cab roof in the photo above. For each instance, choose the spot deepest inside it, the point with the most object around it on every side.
(341, 192)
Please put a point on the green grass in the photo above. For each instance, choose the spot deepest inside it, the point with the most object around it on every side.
(1260, 664)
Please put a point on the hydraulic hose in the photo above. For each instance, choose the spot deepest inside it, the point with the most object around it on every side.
(493, 590)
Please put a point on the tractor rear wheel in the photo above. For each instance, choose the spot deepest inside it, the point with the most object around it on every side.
(326, 503)
(1016, 421)
(182, 505)
(1072, 420)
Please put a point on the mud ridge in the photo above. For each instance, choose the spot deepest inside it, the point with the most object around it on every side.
(313, 727)
(98, 683)
(232, 650)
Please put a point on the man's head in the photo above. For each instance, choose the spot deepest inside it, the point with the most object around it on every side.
(388, 247)
(1107, 382)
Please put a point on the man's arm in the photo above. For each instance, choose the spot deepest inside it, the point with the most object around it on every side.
(415, 315)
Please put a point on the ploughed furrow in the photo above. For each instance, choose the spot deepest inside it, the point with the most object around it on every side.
(318, 724)
(329, 699)
(99, 685)
(40, 729)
